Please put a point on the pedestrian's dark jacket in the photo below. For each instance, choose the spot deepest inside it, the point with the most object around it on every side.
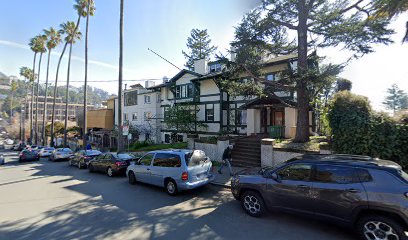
(226, 154)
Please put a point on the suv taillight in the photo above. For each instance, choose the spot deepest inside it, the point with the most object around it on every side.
(184, 176)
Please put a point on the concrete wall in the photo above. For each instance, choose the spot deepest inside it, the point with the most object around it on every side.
(213, 151)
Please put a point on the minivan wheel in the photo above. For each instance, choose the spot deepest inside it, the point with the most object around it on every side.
(132, 178)
(171, 187)
(252, 203)
(379, 227)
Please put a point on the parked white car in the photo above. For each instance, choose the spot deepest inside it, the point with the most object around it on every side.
(46, 152)
(9, 141)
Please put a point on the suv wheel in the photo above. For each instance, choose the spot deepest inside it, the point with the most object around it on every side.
(132, 178)
(90, 168)
(379, 227)
(253, 203)
(171, 187)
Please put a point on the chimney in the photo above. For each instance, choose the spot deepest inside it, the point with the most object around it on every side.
(165, 79)
(201, 66)
(149, 84)
(233, 54)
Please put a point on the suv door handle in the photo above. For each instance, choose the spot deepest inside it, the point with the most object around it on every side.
(148, 169)
(302, 186)
(353, 190)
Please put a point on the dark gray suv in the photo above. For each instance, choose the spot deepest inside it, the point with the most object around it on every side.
(368, 194)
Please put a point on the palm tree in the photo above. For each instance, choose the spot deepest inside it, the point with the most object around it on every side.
(85, 8)
(72, 35)
(34, 47)
(41, 49)
(120, 109)
(53, 40)
(27, 73)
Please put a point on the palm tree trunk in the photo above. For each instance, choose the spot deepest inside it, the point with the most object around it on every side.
(55, 95)
(84, 128)
(120, 109)
(32, 100)
(43, 137)
(67, 96)
(11, 106)
(36, 101)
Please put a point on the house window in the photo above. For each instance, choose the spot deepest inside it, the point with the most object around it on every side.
(134, 116)
(147, 115)
(147, 99)
(166, 112)
(242, 117)
(184, 91)
(159, 97)
(273, 76)
(209, 112)
(215, 67)
(130, 98)
(125, 117)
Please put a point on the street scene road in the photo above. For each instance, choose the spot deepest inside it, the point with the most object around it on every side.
(47, 200)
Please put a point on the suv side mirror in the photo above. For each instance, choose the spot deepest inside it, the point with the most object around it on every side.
(275, 177)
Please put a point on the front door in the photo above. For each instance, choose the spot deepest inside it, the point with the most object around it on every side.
(337, 191)
(292, 190)
(278, 118)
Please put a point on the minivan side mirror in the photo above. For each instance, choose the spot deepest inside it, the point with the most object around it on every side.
(275, 177)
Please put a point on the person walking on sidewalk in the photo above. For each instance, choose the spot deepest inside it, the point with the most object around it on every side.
(226, 158)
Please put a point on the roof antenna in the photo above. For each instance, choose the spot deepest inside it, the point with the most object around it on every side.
(164, 58)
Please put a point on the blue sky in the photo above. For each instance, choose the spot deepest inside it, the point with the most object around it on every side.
(164, 25)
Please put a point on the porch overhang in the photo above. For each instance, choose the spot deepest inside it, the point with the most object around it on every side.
(268, 101)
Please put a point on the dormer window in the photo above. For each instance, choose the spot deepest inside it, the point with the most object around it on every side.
(214, 67)
(273, 76)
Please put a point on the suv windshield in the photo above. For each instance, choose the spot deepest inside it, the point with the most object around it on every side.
(92, 152)
(195, 158)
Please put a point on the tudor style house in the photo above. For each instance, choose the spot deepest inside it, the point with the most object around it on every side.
(222, 113)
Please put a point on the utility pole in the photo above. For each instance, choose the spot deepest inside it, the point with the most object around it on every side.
(120, 103)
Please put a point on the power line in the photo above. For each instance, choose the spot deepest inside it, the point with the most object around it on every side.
(164, 59)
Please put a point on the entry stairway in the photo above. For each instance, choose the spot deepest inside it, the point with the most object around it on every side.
(247, 152)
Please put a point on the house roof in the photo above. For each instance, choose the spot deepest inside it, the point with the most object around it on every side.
(175, 78)
(268, 100)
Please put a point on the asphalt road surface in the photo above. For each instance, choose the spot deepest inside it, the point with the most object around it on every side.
(47, 200)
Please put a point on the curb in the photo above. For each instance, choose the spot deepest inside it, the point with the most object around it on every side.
(220, 185)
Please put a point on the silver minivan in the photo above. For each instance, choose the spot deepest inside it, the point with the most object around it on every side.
(176, 170)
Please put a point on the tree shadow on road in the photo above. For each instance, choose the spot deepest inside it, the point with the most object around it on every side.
(114, 209)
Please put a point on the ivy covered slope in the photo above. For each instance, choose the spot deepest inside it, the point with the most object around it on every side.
(357, 129)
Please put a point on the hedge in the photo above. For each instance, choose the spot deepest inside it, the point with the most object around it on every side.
(357, 129)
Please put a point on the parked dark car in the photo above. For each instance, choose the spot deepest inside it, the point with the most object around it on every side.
(82, 158)
(369, 194)
(19, 147)
(111, 163)
(28, 155)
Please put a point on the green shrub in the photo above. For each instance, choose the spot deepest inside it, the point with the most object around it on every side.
(356, 129)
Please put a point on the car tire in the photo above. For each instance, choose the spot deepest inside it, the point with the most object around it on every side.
(109, 172)
(171, 187)
(132, 178)
(379, 227)
(253, 203)
(79, 165)
(91, 168)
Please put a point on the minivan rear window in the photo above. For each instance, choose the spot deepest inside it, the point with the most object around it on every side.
(195, 158)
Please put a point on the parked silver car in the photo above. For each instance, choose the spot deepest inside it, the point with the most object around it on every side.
(61, 154)
(176, 170)
(46, 152)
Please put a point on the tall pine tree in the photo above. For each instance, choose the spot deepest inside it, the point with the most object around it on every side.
(281, 27)
(199, 47)
(396, 99)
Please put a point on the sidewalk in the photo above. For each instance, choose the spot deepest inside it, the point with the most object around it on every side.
(224, 179)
